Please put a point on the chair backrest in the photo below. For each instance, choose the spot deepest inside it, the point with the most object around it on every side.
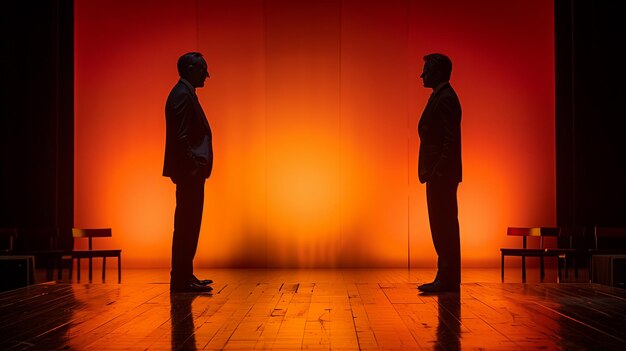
(610, 237)
(91, 233)
(539, 232)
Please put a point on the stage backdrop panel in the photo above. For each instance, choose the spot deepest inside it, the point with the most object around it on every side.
(314, 108)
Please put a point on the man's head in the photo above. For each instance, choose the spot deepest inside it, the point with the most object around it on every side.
(193, 68)
(437, 69)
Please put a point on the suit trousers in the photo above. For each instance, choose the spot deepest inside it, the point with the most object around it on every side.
(441, 197)
(187, 221)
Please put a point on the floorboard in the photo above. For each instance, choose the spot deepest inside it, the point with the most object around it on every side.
(314, 309)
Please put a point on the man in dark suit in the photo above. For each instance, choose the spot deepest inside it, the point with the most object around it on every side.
(439, 166)
(188, 162)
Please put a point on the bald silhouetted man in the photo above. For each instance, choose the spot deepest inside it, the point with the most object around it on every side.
(188, 162)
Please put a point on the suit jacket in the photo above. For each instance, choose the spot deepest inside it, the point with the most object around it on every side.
(439, 130)
(186, 129)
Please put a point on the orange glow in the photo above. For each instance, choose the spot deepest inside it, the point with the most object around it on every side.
(314, 107)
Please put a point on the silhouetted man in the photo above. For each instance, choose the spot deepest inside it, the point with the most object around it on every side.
(439, 166)
(188, 162)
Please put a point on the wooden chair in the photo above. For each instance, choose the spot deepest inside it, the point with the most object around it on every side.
(607, 241)
(90, 253)
(540, 251)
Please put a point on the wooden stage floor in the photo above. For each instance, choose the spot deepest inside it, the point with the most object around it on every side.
(313, 309)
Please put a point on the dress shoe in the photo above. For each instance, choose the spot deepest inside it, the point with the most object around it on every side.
(195, 280)
(439, 286)
(191, 288)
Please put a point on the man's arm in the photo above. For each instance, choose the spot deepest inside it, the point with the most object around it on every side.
(183, 115)
(449, 113)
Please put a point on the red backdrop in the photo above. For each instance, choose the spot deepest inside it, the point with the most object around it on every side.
(314, 107)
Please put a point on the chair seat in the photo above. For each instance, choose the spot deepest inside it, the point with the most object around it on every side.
(95, 253)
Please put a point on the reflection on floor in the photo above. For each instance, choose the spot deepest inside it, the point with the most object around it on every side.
(320, 309)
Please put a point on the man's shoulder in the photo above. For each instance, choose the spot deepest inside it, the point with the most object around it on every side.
(179, 92)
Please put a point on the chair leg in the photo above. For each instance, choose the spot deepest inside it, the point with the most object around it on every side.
(559, 277)
(502, 268)
(90, 269)
(541, 269)
(104, 267)
(78, 269)
(119, 269)
(523, 269)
